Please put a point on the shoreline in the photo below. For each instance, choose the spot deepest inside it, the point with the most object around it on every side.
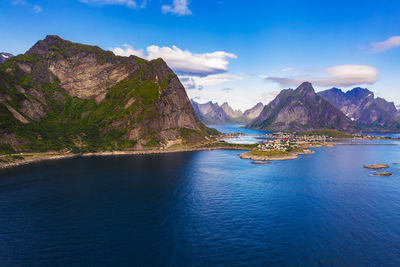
(306, 150)
(34, 157)
(45, 156)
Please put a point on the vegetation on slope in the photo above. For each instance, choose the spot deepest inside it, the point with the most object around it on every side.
(326, 132)
(77, 124)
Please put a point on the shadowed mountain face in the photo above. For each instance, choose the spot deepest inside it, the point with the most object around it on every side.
(4, 57)
(64, 95)
(212, 113)
(368, 112)
(299, 110)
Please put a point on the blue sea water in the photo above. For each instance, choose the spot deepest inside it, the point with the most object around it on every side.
(203, 208)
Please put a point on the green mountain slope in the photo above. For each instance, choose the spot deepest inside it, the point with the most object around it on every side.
(67, 96)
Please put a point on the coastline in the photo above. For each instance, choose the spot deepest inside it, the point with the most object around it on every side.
(306, 150)
(33, 157)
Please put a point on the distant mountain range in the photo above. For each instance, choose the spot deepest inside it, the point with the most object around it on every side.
(61, 95)
(303, 109)
(4, 57)
(300, 110)
(361, 106)
(212, 113)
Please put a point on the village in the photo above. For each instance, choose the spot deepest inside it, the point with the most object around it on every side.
(288, 142)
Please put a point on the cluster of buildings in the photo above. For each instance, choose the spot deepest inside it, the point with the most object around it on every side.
(284, 144)
(289, 141)
(296, 137)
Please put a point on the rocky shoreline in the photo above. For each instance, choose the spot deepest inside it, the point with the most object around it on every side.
(32, 157)
(29, 158)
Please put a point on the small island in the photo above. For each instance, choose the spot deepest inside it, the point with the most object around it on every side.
(376, 166)
(383, 174)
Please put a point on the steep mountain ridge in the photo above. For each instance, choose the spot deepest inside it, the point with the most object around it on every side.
(299, 110)
(361, 106)
(65, 95)
(254, 112)
(212, 113)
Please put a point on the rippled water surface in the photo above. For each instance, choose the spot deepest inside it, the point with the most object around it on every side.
(203, 208)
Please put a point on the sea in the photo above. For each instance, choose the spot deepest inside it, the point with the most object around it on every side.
(205, 208)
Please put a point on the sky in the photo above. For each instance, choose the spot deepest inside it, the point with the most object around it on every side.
(240, 52)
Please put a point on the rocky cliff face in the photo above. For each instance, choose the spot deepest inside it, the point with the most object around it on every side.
(360, 105)
(64, 95)
(212, 113)
(4, 57)
(254, 112)
(299, 110)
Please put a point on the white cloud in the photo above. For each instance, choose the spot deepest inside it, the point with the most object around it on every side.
(127, 51)
(343, 75)
(390, 43)
(192, 82)
(37, 9)
(128, 3)
(178, 7)
(183, 61)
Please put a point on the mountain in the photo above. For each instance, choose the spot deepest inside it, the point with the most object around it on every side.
(212, 113)
(64, 95)
(254, 112)
(299, 110)
(4, 57)
(361, 106)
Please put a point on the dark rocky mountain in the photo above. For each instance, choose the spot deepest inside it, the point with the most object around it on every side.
(212, 113)
(4, 57)
(299, 110)
(361, 106)
(65, 95)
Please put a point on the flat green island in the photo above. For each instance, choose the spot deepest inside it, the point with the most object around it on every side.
(259, 155)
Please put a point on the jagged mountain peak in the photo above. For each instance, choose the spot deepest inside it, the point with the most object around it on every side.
(300, 110)
(106, 101)
(210, 113)
(361, 106)
(305, 88)
(360, 92)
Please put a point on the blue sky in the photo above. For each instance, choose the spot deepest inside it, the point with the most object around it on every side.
(242, 52)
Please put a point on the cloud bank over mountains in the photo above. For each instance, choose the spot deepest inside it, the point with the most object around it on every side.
(342, 75)
(195, 70)
(182, 61)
